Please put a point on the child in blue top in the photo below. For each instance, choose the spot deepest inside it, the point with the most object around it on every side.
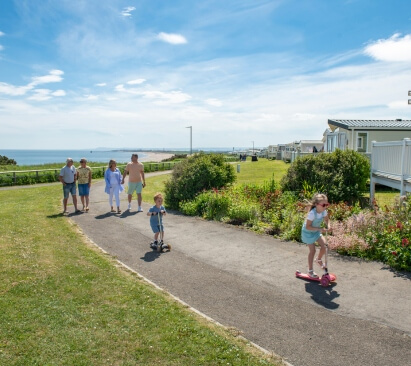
(156, 213)
(312, 231)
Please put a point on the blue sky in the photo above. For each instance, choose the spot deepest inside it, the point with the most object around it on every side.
(90, 73)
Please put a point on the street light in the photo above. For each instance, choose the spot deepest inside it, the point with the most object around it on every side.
(191, 139)
(253, 147)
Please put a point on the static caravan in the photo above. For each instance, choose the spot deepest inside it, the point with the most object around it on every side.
(357, 134)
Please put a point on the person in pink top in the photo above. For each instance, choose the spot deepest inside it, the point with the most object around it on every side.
(136, 180)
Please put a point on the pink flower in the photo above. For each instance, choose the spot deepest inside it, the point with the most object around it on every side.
(399, 225)
(405, 242)
(394, 253)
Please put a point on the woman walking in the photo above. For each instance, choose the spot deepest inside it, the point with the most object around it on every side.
(113, 176)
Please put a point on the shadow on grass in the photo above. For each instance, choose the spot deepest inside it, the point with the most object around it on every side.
(62, 214)
(55, 216)
(323, 296)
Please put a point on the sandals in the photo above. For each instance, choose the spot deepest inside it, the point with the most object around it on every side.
(320, 263)
(312, 274)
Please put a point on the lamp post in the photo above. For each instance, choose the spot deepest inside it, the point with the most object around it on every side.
(253, 147)
(191, 139)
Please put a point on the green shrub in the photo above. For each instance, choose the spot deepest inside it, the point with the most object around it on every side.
(211, 205)
(342, 175)
(4, 160)
(195, 174)
(242, 213)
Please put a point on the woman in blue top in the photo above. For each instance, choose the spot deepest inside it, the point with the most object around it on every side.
(113, 177)
(312, 231)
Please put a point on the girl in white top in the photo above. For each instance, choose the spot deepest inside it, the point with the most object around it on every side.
(311, 231)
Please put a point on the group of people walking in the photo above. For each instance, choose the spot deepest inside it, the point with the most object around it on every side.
(311, 232)
(114, 180)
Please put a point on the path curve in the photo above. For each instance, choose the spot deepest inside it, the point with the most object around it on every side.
(247, 281)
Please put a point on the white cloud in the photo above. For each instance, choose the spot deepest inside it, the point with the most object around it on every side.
(1, 48)
(59, 93)
(40, 95)
(127, 11)
(14, 90)
(120, 88)
(137, 81)
(171, 38)
(91, 97)
(54, 76)
(303, 116)
(399, 104)
(1, 33)
(395, 48)
(101, 84)
(165, 97)
(214, 102)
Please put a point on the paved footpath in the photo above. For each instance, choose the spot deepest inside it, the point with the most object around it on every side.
(247, 281)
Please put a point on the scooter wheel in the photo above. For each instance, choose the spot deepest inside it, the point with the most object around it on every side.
(325, 281)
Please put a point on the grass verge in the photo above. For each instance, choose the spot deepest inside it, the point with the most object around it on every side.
(63, 302)
(257, 172)
(263, 170)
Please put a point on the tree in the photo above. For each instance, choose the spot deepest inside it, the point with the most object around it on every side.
(342, 175)
(195, 174)
(4, 160)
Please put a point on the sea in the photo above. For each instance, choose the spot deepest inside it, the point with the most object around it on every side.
(39, 157)
(99, 155)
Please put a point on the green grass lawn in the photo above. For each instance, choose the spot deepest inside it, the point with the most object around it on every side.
(255, 172)
(261, 171)
(63, 302)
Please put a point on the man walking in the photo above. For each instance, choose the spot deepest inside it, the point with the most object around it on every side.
(68, 178)
(136, 180)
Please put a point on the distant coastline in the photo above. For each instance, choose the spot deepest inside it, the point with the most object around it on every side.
(100, 154)
(39, 157)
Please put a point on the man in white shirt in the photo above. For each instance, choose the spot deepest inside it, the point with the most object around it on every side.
(68, 178)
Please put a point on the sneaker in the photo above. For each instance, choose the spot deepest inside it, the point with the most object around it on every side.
(312, 274)
(165, 246)
(153, 245)
(139, 209)
(129, 206)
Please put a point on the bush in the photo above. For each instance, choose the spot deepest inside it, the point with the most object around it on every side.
(196, 174)
(212, 205)
(4, 160)
(342, 175)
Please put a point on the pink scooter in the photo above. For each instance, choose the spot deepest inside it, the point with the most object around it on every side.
(325, 279)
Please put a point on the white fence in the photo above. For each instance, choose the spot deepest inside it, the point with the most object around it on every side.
(391, 165)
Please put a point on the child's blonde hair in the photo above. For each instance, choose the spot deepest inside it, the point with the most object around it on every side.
(157, 195)
(318, 197)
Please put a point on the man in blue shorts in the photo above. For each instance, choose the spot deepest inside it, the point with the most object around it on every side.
(68, 178)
